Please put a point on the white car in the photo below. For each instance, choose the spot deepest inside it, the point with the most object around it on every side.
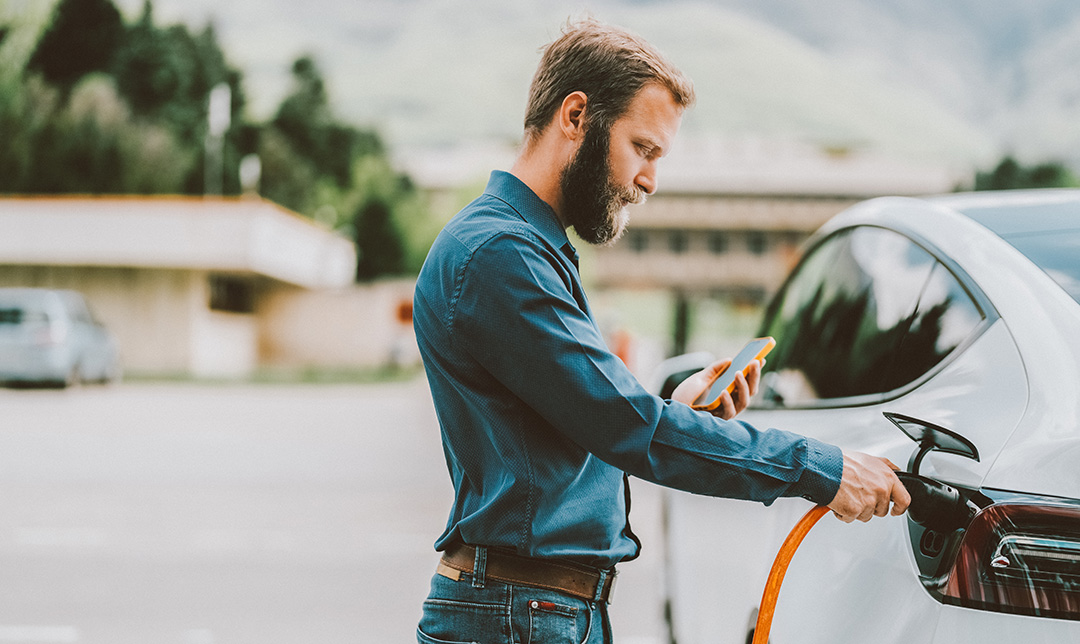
(49, 336)
(957, 315)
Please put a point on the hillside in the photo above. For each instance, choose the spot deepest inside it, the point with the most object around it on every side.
(941, 79)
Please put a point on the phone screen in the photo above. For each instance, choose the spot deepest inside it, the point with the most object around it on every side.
(755, 349)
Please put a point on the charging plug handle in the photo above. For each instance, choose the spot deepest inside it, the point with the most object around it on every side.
(936, 505)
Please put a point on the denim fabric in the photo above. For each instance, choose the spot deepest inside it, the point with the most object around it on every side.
(457, 612)
(540, 420)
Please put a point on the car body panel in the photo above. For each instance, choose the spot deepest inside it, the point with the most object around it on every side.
(1011, 390)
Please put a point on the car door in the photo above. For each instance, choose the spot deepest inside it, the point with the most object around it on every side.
(871, 320)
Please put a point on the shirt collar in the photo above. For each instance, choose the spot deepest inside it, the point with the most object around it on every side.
(534, 210)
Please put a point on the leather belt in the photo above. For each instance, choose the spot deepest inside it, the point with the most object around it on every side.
(583, 582)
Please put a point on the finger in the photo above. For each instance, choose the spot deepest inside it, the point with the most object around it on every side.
(727, 406)
(882, 507)
(741, 396)
(901, 498)
(717, 368)
(753, 376)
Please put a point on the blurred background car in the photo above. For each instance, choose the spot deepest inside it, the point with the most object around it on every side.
(959, 312)
(50, 337)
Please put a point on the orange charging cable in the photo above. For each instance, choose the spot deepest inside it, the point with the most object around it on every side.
(779, 568)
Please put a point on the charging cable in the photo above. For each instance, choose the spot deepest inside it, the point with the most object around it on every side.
(779, 568)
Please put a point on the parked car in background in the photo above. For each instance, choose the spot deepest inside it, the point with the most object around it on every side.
(961, 313)
(50, 337)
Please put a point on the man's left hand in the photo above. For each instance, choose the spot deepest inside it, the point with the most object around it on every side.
(731, 404)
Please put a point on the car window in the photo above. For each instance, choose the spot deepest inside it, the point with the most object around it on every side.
(15, 315)
(866, 312)
(945, 317)
(1057, 253)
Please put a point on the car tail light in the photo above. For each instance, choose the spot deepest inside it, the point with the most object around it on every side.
(1019, 557)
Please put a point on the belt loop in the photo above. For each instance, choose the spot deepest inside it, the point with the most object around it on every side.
(600, 585)
(479, 567)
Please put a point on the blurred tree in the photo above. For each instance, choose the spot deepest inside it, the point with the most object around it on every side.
(305, 119)
(166, 75)
(1010, 175)
(132, 117)
(82, 38)
(378, 241)
(90, 145)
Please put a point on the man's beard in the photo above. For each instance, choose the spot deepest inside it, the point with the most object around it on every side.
(591, 202)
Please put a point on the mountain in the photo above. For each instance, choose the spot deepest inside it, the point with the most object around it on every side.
(959, 80)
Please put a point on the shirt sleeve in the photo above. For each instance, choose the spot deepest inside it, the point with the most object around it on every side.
(520, 313)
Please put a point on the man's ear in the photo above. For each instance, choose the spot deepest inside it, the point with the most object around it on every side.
(571, 115)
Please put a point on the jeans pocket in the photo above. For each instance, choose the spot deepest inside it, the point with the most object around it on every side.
(556, 623)
(456, 622)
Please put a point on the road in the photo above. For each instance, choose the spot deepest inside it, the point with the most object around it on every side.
(196, 514)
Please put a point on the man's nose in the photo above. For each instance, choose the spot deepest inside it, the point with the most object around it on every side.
(646, 179)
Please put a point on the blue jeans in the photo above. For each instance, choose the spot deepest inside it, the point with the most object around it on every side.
(474, 610)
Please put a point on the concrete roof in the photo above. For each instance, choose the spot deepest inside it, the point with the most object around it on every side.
(219, 234)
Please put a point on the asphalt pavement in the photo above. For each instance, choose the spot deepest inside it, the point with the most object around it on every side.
(201, 514)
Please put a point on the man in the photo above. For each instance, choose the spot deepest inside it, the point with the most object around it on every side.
(539, 420)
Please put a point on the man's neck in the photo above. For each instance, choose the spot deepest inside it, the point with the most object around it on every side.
(540, 169)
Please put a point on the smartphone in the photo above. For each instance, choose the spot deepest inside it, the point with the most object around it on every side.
(755, 349)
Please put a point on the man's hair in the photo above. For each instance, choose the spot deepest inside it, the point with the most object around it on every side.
(608, 64)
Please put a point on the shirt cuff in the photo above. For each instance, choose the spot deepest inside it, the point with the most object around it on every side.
(822, 472)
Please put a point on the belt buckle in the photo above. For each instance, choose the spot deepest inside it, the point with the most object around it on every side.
(611, 588)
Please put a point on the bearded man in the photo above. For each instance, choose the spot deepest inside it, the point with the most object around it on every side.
(540, 422)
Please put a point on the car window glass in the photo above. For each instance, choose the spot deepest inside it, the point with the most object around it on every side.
(839, 322)
(945, 317)
(1057, 253)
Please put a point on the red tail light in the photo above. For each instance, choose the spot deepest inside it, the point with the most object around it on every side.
(1019, 557)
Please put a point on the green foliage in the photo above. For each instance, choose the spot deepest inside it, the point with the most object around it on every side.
(1010, 175)
(86, 144)
(379, 242)
(97, 106)
(82, 38)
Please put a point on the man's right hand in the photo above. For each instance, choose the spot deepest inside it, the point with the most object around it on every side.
(866, 489)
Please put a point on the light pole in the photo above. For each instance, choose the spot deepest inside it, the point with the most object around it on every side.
(218, 114)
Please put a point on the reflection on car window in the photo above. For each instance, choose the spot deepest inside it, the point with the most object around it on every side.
(945, 318)
(867, 311)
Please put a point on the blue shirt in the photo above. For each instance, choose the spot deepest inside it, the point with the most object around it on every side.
(540, 420)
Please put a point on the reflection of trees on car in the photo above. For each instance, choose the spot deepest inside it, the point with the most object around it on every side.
(867, 313)
(837, 355)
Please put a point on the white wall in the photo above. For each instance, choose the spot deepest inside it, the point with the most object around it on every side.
(353, 327)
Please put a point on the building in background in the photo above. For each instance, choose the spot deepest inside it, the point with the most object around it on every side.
(729, 219)
(205, 287)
